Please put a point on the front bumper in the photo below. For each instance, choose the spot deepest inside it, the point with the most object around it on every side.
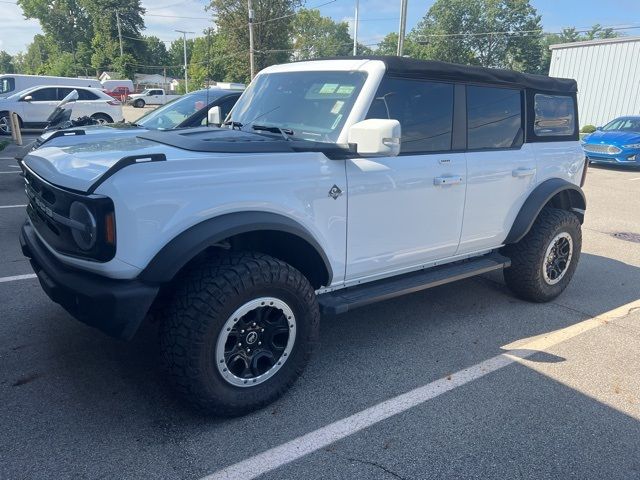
(624, 158)
(116, 307)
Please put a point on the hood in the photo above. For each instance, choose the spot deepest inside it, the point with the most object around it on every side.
(615, 137)
(79, 165)
(106, 130)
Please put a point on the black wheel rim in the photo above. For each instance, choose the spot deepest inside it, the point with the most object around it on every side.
(558, 258)
(255, 342)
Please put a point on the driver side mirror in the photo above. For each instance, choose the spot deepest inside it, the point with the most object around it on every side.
(214, 116)
(28, 98)
(376, 137)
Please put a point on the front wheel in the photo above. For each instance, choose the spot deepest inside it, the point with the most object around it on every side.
(138, 103)
(544, 261)
(239, 331)
(102, 118)
(5, 124)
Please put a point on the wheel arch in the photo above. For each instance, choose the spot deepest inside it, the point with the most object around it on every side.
(554, 192)
(263, 232)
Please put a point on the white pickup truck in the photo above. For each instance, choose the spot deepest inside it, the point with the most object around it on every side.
(150, 96)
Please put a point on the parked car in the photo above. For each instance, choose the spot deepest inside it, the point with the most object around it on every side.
(34, 105)
(337, 183)
(12, 83)
(150, 96)
(618, 142)
(118, 85)
(120, 93)
(200, 108)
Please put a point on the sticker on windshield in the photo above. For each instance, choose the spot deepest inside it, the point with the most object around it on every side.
(345, 89)
(337, 107)
(328, 88)
(336, 122)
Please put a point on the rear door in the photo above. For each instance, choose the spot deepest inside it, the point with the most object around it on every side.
(407, 211)
(501, 170)
(43, 102)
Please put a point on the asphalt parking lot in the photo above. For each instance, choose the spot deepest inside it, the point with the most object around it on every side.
(462, 381)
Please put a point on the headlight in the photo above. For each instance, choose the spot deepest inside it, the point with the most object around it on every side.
(85, 238)
(633, 145)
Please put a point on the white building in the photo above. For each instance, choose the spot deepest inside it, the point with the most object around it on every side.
(608, 76)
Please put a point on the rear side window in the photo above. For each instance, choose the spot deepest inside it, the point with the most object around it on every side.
(424, 110)
(86, 95)
(554, 115)
(494, 118)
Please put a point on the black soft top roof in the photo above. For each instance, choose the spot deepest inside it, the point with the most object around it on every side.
(437, 70)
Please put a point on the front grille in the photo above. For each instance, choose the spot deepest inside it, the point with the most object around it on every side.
(601, 148)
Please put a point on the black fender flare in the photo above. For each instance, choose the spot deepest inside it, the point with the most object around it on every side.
(538, 199)
(194, 240)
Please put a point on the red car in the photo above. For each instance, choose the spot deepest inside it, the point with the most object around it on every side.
(120, 93)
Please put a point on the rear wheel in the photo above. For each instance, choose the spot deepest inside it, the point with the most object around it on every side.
(138, 103)
(544, 261)
(102, 118)
(5, 124)
(239, 331)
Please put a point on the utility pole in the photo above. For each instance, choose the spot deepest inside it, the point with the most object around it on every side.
(355, 30)
(184, 44)
(403, 26)
(251, 59)
(119, 31)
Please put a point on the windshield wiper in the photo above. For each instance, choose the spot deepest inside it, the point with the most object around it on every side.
(285, 132)
(233, 124)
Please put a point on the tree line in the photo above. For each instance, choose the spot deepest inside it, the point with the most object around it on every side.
(80, 37)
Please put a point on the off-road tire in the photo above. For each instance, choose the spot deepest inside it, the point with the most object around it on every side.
(525, 277)
(206, 297)
(138, 103)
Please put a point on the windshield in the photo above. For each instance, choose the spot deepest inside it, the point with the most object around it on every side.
(177, 111)
(623, 125)
(7, 84)
(312, 105)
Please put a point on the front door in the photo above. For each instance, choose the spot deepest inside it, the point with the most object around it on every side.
(406, 211)
(43, 102)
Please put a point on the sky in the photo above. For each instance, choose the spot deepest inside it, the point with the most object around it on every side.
(377, 17)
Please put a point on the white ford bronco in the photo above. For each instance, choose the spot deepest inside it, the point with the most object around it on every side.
(332, 185)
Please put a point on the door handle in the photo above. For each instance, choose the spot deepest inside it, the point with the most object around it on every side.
(523, 172)
(447, 181)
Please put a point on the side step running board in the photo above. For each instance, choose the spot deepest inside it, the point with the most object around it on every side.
(346, 299)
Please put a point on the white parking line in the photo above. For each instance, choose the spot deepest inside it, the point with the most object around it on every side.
(634, 179)
(311, 442)
(17, 277)
(12, 206)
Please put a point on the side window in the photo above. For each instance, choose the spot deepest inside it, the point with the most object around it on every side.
(424, 110)
(7, 85)
(63, 92)
(227, 105)
(156, 92)
(555, 115)
(86, 95)
(494, 118)
(44, 95)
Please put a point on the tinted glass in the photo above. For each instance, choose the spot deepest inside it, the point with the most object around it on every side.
(631, 124)
(44, 95)
(314, 105)
(424, 110)
(494, 118)
(555, 115)
(7, 85)
(87, 95)
(179, 110)
(63, 92)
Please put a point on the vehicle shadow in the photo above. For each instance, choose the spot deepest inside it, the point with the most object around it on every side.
(96, 389)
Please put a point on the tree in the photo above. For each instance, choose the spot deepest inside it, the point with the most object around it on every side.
(317, 36)
(389, 46)
(491, 33)
(272, 24)
(155, 52)
(6, 63)
(176, 56)
(208, 60)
